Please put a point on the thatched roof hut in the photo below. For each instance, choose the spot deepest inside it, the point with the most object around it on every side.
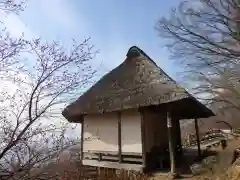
(137, 82)
(127, 114)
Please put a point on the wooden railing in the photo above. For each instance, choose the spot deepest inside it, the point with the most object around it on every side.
(212, 134)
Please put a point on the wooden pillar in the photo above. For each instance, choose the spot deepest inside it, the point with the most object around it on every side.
(119, 137)
(170, 142)
(143, 137)
(82, 140)
(178, 138)
(198, 139)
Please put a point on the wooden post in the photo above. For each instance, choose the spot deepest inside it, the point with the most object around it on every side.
(143, 137)
(170, 142)
(178, 138)
(119, 138)
(82, 139)
(198, 139)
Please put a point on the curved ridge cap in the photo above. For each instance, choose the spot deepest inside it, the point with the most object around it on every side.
(135, 48)
(134, 51)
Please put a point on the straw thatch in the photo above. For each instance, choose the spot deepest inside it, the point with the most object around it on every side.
(137, 82)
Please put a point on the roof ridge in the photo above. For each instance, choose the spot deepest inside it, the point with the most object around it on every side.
(137, 49)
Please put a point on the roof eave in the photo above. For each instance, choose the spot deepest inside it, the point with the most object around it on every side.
(72, 118)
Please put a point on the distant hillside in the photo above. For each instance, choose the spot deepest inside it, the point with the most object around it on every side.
(71, 153)
(231, 116)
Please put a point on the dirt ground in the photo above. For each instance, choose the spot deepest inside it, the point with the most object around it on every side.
(224, 169)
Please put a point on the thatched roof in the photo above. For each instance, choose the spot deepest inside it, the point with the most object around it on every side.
(137, 82)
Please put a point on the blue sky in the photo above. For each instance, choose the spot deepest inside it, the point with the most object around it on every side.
(113, 25)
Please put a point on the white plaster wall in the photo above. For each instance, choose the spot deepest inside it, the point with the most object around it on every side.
(131, 132)
(101, 132)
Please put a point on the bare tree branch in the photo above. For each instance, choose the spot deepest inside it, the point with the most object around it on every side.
(37, 79)
(11, 6)
(203, 37)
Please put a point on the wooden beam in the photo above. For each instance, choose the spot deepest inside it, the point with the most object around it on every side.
(119, 137)
(143, 138)
(170, 143)
(82, 139)
(114, 153)
(198, 139)
(114, 158)
(114, 165)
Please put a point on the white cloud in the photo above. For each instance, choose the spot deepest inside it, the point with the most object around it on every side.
(54, 18)
(15, 26)
(59, 11)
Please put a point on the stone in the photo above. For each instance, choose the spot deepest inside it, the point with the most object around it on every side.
(197, 168)
(206, 165)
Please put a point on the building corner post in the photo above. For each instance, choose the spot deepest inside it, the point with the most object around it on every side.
(143, 138)
(170, 143)
(197, 137)
(82, 140)
(120, 137)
